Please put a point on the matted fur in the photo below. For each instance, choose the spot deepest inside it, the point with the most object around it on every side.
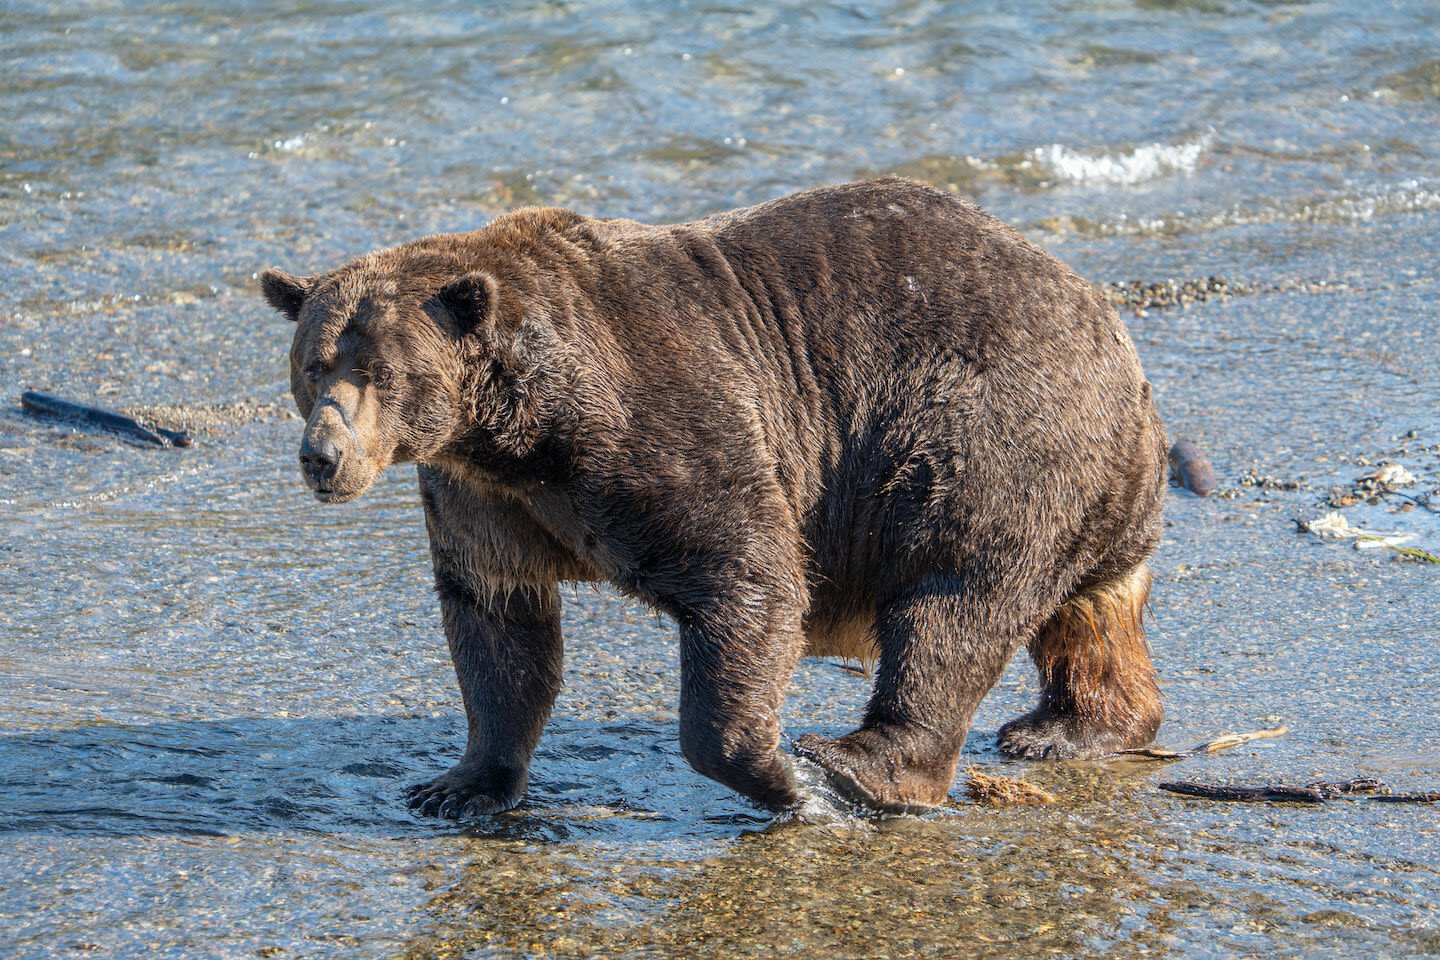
(847, 636)
(1094, 661)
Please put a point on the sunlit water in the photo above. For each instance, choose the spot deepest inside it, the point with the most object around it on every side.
(213, 690)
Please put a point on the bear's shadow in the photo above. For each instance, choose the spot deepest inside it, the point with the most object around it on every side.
(624, 779)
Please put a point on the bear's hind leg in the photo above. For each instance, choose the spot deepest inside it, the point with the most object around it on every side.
(943, 644)
(1098, 689)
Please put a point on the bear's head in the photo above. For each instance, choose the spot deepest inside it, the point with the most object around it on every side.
(403, 360)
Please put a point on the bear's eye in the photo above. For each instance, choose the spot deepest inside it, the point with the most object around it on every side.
(312, 372)
(382, 375)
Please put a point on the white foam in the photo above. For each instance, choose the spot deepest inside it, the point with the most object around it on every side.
(1125, 167)
(822, 803)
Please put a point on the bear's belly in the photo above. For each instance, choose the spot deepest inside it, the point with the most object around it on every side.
(848, 635)
(580, 556)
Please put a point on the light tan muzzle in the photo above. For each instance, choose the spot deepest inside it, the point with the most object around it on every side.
(336, 454)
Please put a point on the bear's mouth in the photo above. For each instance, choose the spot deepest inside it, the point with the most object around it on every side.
(343, 485)
(331, 495)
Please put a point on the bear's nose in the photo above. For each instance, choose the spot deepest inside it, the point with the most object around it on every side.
(319, 459)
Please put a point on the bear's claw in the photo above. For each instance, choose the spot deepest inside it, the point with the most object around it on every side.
(857, 776)
(1039, 737)
(457, 794)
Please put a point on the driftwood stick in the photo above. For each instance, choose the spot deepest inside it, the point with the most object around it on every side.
(1348, 788)
(43, 403)
(1227, 742)
(1279, 794)
(1361, 788)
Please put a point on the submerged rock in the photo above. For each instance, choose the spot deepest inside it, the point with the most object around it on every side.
(1191, 469)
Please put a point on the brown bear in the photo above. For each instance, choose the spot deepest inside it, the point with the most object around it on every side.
(865, 420)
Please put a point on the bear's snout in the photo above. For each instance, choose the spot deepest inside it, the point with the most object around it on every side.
(320, 461)
(337, 458)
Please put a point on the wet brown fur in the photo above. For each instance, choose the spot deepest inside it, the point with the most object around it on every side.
(1099, 690)
(865, 420)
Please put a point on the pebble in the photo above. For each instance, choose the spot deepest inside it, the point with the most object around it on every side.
(1139, 295)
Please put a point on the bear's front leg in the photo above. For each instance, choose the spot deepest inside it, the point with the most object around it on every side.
(737, 654)
(507, 652)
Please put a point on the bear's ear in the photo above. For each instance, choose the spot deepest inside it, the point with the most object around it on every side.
(471, 300)
(284, 292)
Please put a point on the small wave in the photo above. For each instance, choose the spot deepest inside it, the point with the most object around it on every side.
(1123, 168)
(1044, 168)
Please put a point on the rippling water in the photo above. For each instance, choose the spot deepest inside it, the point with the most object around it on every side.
(214, 689)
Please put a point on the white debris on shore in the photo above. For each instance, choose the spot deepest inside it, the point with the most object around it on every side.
(1334, 526)
(1389, 476)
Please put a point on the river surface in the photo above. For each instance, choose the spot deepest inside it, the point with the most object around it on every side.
(213, 690)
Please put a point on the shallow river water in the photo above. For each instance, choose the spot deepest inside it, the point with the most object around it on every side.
(213, 690)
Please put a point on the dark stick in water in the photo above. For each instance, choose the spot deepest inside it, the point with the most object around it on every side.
(1363, 788)
(47, 405)
(1274, 793)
